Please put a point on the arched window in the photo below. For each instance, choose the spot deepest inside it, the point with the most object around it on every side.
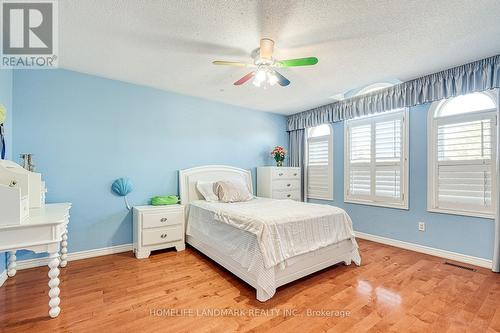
(462, 155)
(374, 87)
(320, 130)
(320, 162)
(476, 102)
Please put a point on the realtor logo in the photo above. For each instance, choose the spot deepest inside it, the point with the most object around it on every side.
(29, 34)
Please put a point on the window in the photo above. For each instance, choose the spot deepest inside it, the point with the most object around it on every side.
(462, 155)
(319, 162)
(374, 87)
(376, 160)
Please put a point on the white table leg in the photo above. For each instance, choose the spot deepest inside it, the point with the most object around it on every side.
(11, 265)
(64, 249)
(54, 285)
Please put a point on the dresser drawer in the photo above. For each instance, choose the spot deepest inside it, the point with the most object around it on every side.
(286, 184)
(294, 195)
(162, 235)
(293, 173)
(161, 219)
(286, 173)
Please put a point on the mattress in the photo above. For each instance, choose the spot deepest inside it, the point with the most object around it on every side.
(283, 228)
(242, 246)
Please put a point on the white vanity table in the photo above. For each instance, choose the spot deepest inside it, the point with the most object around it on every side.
(45, 230)
(27, 223)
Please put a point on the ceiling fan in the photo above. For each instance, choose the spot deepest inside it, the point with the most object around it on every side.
(266, 73)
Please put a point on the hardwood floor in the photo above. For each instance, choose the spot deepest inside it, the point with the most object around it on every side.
(394, 290)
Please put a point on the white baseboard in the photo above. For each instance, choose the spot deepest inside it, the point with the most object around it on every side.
(481, 262)
(3, 277)
(37, 262)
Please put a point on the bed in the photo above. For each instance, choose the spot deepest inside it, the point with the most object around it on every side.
(265, 242)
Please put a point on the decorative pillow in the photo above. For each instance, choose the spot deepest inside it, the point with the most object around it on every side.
(232, 191)
(207, 189)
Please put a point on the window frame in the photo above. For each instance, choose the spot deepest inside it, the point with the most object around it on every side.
(329, 138)
(433, 163)
(404, 177)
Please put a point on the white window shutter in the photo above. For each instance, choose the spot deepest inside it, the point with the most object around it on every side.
(320, 168)
(462, 154)
(376, 160)
(388, 140)
(388, 161)
(465, 165)
(360, 181)
(359, 157)
(469, 140)
(388, 183)
(465, 187)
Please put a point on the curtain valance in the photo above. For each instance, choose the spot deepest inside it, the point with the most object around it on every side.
(476, 76)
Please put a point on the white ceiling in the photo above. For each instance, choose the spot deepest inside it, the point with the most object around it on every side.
(171, 44)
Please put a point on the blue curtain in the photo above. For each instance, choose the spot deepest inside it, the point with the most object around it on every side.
(297, 153)
(476, 76)
(496, 241)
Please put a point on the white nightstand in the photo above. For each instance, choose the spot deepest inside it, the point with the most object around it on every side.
(158, 227)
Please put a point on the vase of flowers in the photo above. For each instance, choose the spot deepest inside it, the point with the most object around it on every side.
(279, 154)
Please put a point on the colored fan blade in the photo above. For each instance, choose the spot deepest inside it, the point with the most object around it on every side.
(298, 62)
(283, 81)
(233, 63)
(244, 79)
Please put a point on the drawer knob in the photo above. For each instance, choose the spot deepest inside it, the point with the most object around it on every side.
(288, 185)
(163, 219)
(163, 236)
(280, 174)
(295, 174)
(288, 195)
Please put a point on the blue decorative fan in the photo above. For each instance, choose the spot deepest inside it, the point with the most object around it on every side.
(122, 187)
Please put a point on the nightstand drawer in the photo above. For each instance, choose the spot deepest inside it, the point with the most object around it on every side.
(162, 235)
(286, 184)
(293, 195)
(161, 219)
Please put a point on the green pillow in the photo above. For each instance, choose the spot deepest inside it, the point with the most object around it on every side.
(164, 200)
(3, 114)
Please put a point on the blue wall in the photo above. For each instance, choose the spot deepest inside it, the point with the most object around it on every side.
(86, 131)
(467, 235)
(6, 100)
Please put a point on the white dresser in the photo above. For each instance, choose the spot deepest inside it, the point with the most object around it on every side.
(279, 183)
(158, 227)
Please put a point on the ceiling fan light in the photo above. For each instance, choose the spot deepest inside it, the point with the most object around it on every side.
(272, 79)
(261, 75)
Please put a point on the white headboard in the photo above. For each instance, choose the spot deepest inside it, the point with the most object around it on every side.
(189, 177)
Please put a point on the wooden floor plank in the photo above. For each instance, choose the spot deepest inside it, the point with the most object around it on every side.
(394, 290)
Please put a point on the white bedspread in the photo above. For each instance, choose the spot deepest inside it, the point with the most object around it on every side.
(284, 228)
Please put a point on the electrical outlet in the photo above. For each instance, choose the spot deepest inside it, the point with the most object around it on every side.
(421, 226)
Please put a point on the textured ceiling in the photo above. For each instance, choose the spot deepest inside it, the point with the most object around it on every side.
(170, 44)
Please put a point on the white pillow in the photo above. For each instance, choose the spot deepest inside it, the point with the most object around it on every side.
(232, 191)
(206, 188)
